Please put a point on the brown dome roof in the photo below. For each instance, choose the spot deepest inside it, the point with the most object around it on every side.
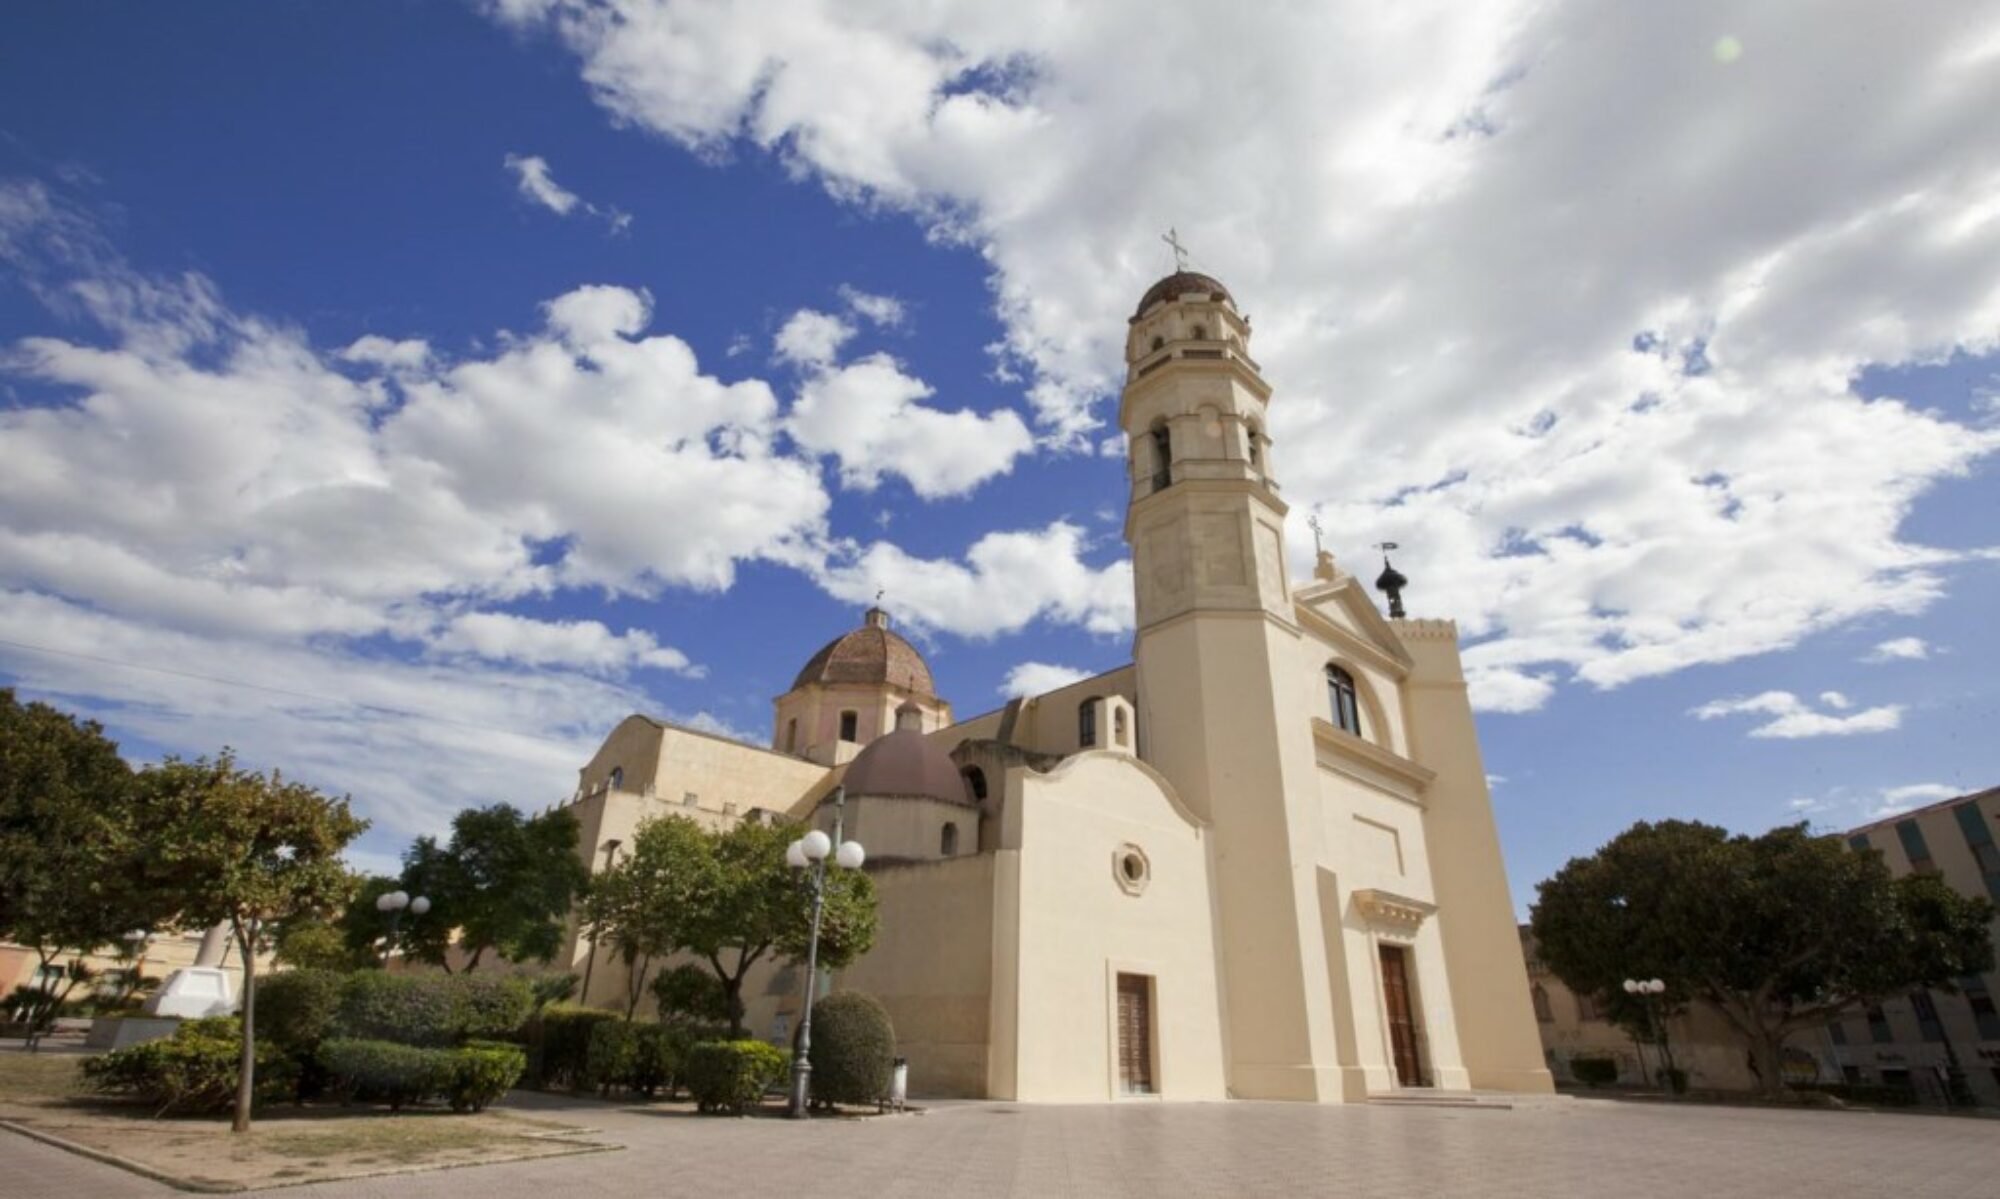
(1178, 284)
(870, 655)
(905, 765)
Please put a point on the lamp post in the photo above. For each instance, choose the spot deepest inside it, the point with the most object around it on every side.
(1648, 990)
(809, 853)
(392, 905)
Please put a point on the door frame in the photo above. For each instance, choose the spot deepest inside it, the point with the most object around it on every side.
(1413, 995)
(1149, 971)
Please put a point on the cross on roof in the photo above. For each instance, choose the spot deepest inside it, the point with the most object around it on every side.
(1312, 522)
(1173, 238)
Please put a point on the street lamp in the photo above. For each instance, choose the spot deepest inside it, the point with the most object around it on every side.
(810, 852)
(1648, 991)
(392, 905)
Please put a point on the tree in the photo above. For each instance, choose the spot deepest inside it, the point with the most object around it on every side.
(1780, 932)
(504, 884)
(251, 849)
(362, 927)
(70, 848)
(641, 904)
(751, 903)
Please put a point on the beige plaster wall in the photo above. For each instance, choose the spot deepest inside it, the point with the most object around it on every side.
(895, 829)
(1078, 928)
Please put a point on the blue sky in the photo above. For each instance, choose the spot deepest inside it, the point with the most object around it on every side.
(1683, 419)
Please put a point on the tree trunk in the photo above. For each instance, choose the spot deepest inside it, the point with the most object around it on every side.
(732, 991)
(1767, 1051)
(246, 1065)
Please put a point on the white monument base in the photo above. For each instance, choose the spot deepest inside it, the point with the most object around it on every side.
(116, 1032)
(193, 992)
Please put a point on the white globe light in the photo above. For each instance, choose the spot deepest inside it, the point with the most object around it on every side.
(1631, 988)
(816, 844)
(419, 906)
(851, 855)
(795, 855)
(393, 901)
(1657, 987)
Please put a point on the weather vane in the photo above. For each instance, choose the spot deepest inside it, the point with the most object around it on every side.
(1173, 238)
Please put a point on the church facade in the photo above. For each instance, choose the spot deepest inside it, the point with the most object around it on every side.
(1259, 861)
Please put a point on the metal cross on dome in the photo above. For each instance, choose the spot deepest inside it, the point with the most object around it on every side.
(1173, 238)
(1312, 522)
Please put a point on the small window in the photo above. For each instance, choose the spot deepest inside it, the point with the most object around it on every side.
(948, 839)
(689, 799)
(1878, 1025)
(1163, 456)
(1086, 723)
(850, 725)
(975, 781)
(1341, 699)
(791, 734)
(1543, 1012)
(1159, 343)
(1586, 1007)
(1201, 332)
(617, 777)
(1256, 451)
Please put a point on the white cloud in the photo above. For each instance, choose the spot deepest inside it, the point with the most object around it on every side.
(1914, 793)
(584, 644)
(1900, 649)
(1039, 678)
(812, 339)
(1007, 581)
(1793, 718)
(886, 312)
(871, 416)
(1835, 700)
(534, 180)
(1582, 373)
(408, 354)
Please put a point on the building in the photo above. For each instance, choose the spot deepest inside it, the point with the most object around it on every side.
(1258, 861)
(1919, 1042)
(1925, 1039)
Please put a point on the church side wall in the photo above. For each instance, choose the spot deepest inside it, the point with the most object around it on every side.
(1079, 928)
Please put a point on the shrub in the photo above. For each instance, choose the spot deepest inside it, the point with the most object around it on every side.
(732, 1075)
(483, 1071)
(296, 1009)
(638, 1057)
(491, 1008)
(407, 1009)
(1594, 1071)
(388, 1072)
(559, 1044)
(853, 1049)
(1673, 1078)
(688, 993)
(612, 1053)
(192, 1071)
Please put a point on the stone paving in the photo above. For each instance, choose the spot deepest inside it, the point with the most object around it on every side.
(1583, 1148)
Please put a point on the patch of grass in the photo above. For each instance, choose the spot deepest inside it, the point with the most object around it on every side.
(39, 1075)
(398, 1140)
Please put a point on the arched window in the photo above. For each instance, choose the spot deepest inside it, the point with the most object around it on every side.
(975, 781)
(850, 725)
(617, 777)
(1543, 1012)
(1086, 723)
(948, 839)
(1120, 735)
(791, 734)
(1159, 343)
(1340, 698)
(1201, 332)
(1256, 450)
(1586, 1007)
(1163, 456)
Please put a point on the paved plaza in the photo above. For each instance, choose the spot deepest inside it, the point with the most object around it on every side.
(1582, 1147)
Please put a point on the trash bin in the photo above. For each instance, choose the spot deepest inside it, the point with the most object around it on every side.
(899, 1084)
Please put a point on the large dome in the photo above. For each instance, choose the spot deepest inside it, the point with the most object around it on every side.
(871, 655)
(1178, 284)
(905, 765)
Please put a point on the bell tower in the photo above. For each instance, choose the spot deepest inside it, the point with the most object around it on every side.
(1222, 695)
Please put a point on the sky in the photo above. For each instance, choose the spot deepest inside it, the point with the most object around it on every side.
(402, 393)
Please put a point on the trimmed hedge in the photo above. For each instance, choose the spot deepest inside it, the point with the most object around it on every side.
(192, 1071)
(559, 1045)
(430, 1009)
(853, 1049)
(468, 1077)
(296, 1009)
(643, 1058)
(1594, 1071)
(732, 1076)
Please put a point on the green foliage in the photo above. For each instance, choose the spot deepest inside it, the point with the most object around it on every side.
(1594, 1071)
(853, 1049)
(363, 929)
(431, 1009)
(72, 844)
(504, 883)
(297, 1009)
(313, 942)
(1779, 932)
(613, 1052)
(689, 994)
(729, 898)
(551, 988)
(385, 1072)
(638, 1057)
(732, 1076)
(559, 1045)
(193, 1071)
(483, 1071)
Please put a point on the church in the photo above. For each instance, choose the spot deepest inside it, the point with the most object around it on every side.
(1257, 862)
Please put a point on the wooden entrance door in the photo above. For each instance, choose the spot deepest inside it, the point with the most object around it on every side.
(1135, 1034)
(1402, 1017)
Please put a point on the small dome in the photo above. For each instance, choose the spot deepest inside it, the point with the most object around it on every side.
(1182, 283)
(871, 655)
(905, 765)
